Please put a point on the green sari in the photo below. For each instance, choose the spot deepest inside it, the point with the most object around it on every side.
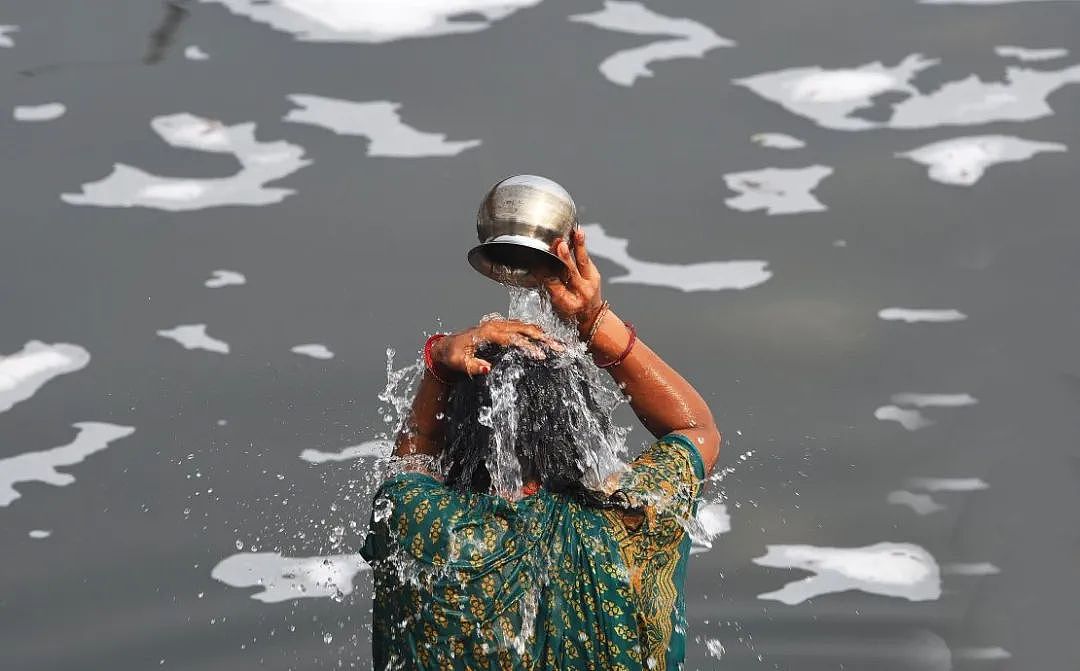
(473, 581)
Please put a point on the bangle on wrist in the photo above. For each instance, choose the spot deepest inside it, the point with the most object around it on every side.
(429, 361)
(604, 307)
(626, 352)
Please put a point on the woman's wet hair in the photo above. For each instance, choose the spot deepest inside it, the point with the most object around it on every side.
(551, 439)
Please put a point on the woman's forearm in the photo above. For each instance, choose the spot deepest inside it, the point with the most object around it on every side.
(422, 432)
(662, 399)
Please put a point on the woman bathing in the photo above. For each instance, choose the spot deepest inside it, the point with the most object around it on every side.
(568, 573)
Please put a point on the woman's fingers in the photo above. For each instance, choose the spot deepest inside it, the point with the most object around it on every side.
(557, 290)
(516, 333)
(477, 366)
(526, 345)
(562, 250)
(581, 253)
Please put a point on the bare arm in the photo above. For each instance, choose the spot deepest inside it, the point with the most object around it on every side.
(662, 399)
(422, 433)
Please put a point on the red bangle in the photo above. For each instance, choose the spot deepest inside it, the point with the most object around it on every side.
(626, 352)
(429, 363)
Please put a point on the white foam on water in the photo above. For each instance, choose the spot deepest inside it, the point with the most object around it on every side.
(986, 654)
(912, 315)
(373, 20)
(934, 400)
(830, 96)
(378, 121)
(692, 39)
(5, 35)
(313, 350)
(40, 533)
(714, 647)
(982, 2)
(23, 373)
(41, 466)
(194, 52)
(777, 141)
(963, 160)
(193, 336)
(260, 163)
(712, 520)
(972, 569)
(777, 190)
(1025, 54)
(370, 448)
(901, 570)
(285, 578)
(912, 420)
(706, 276)
(45, 112)
(948, 484)
(922, 504)
(224, 278)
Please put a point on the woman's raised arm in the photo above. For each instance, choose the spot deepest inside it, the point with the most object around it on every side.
(662, 399)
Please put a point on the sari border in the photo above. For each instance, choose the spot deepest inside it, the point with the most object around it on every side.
(695, 456)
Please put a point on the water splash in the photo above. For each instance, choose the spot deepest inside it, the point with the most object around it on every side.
(606, 445)
(502, 418)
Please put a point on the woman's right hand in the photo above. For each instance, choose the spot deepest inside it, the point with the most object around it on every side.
(456, 353)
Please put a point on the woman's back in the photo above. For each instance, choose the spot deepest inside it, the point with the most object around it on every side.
(472, 581)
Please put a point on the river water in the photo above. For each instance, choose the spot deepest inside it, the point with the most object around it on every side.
(847, 222)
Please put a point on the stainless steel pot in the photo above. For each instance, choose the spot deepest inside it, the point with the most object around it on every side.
(518, 220)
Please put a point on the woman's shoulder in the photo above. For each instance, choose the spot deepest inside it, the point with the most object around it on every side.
(674, 455)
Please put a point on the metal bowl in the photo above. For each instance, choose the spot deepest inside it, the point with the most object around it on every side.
(518, 220)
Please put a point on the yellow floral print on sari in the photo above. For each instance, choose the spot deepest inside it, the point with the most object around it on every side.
(474, 582)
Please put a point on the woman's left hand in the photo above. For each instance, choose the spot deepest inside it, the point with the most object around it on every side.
(457, 352)
(575, 296)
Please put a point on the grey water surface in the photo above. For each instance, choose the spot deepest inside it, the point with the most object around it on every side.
(883, 315)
